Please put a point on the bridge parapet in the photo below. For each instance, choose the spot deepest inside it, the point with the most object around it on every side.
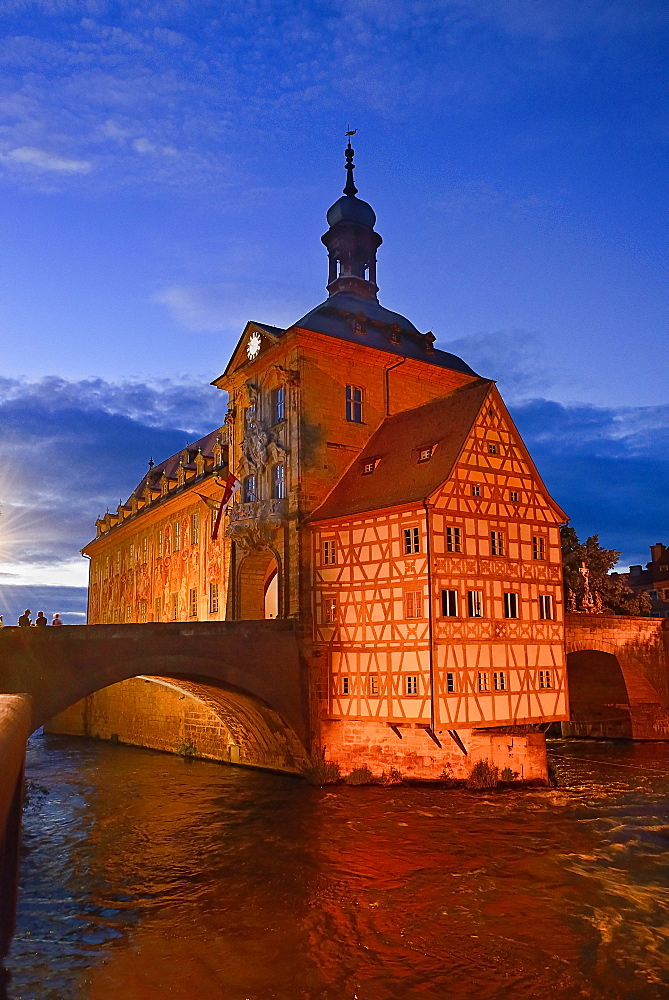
(60, 666)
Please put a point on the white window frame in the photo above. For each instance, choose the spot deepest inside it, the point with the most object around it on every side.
(354, 403)
(449, 604)
(511, 605)
(497, 543)
(546, 610)
(329, 552)
(453, 538)
(475, 604)
(411, 540)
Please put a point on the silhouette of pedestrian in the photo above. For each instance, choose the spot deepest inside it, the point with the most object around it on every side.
(24, 620)
(56, 620)
(41, 620)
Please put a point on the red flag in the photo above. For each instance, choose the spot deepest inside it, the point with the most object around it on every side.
(232, 484)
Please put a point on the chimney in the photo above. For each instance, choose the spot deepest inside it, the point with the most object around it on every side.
(656, 552)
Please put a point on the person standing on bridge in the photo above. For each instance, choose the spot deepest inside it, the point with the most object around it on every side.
(24, 619)
(56, 620)
(41, 620)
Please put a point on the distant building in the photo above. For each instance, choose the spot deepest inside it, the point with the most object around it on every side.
(653, 580)
(388, 503)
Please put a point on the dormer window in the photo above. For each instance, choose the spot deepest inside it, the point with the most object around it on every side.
(359, 323)
(425, 454)
(369, 465)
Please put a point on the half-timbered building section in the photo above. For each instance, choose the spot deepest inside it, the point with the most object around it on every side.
(437, 595)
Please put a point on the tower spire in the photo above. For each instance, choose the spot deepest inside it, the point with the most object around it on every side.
(350, 187)
(351, 240)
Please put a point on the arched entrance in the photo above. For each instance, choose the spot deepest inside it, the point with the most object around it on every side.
(258, 590)
(598, 696)
(178, 715)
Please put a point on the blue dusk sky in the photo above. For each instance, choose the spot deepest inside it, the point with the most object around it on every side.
(165, 169)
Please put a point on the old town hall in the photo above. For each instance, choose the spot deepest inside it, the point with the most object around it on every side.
(387, 503)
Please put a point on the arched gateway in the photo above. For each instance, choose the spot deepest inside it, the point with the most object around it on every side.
(242, 681)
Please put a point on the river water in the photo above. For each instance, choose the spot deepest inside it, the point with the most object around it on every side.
(148, 877)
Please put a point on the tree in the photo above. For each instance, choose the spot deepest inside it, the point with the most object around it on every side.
(611, 592)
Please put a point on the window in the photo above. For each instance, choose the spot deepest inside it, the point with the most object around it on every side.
(373, 684)
(496, 543)
(177, 536)
(128, 612)
(192, 602)
(450, 683)
(250, 489)
(175, 607)
(476, 491)
(453, 540)
(492, 449)
(329, 552)
(168, 537)
(278, 481)
(413, 604)
(449, 603)
(538, 547)
(545, 607)
(213, 598)
(411, 684)
(279, 405)
(411, 540)
(118, 561)
(194, 529)
(354, 404)
(545, 679)
(142, 611)
(513, 496)
(145, 549)
(483, 680)
(160, 545)
(511, 605)
(330, 610)
(368, 466)
(499, 680)
(157, 610)
(475, 603)
(345, 686)
(425, 454)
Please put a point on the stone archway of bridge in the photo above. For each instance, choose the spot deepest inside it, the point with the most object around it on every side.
(190, 717)
(609, 695)
(259, 586)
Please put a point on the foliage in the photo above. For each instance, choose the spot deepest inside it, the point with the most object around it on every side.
(447, 777)
(609, 592)
(483, 775)
(359, 776)
(391, 777)
(322, 772)
(508, 775)
(186, 748)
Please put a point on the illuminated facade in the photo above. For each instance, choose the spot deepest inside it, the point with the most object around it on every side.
(389, 504)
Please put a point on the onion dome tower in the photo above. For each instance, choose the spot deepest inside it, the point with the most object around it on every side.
(351, 241)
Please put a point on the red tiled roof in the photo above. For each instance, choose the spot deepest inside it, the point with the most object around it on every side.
(399, 477)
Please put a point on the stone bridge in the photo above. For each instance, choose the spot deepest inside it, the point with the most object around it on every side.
(618, 677)
(248, 675)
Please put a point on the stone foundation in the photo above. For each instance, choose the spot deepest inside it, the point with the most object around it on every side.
(376, 746)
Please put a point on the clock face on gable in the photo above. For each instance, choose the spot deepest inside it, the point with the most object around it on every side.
(253, 346)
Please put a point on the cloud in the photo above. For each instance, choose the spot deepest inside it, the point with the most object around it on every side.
(70, 449)
(228, 305)
(608, 468)
(517, 357)
(41, 160)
